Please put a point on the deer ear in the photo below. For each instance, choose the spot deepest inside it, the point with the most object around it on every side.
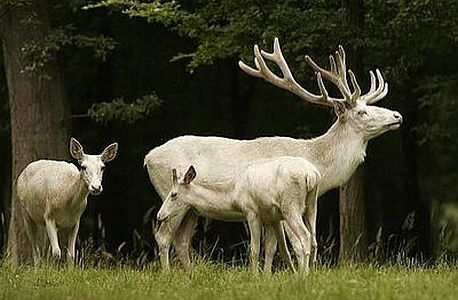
(339, 108)
(110, 152)
(76, 150)
(174, 177)
(190, 175)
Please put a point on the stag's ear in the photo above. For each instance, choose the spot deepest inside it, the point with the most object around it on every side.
(339, 108)
(76, 150)
(190, 175)
(174, 177)
(110, 152)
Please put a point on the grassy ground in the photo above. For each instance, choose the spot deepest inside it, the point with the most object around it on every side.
(221, 282)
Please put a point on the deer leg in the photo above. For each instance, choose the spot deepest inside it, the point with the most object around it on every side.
(299, 229)
(270, 247)
(31, 232)
(51, 229)
(183, 238)
(280, 234)
(310, 218)
(71, 243)
(255, 233)
(295, 242)
(164, 237)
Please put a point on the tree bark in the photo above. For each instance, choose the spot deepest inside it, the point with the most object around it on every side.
(353, 226)
(352, 208)
(38, 108)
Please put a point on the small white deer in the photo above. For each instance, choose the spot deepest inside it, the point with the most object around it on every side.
(54, 194)
(265, 193)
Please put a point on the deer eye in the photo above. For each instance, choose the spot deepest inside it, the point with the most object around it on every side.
(173, 195)
(83, 168)
(362, 113)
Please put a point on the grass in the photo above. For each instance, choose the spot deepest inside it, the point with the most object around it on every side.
(209, 281)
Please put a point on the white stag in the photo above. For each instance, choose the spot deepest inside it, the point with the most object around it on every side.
(336, 154)
(54, 194)
(265, 193)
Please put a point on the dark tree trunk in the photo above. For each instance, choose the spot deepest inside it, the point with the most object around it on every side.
(352, 208)
(38, 108)
(418, 226)
(241, 103)
(353, 224)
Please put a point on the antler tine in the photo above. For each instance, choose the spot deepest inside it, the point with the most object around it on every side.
(373, 82)
(376, 92)
(340, 54)
(332, 62)
(337, 75)
(249, 70)
(286, 82)
(357, 93)
(322, 87)
(382, 95)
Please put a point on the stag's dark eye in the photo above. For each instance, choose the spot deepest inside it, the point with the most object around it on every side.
(173, 195)
(83, 168)
(362, 113)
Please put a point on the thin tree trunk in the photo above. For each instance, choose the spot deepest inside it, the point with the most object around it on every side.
(38, 108)
(352, 208)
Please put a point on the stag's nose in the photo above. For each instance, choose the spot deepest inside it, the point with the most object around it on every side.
(95, 189)
(397, 116)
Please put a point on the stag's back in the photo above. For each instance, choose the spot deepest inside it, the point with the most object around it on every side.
(217, 159)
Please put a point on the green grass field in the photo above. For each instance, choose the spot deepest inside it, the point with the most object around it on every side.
(222, 282)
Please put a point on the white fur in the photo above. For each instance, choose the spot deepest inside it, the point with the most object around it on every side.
(264, 193)
(54, 194)
(336, 154)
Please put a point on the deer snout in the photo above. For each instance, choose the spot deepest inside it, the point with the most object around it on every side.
(397, 116)
(95, 189)
(161, 216)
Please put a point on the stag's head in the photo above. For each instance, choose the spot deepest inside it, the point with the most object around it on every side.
(354, 108)
(92, 166)
(175, 201)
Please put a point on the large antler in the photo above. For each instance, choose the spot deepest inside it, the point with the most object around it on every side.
(336, 75)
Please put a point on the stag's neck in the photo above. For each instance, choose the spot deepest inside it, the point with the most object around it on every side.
(337, 154)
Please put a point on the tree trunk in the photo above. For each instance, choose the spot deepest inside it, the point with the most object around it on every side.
(352, 208)
(38, 108)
